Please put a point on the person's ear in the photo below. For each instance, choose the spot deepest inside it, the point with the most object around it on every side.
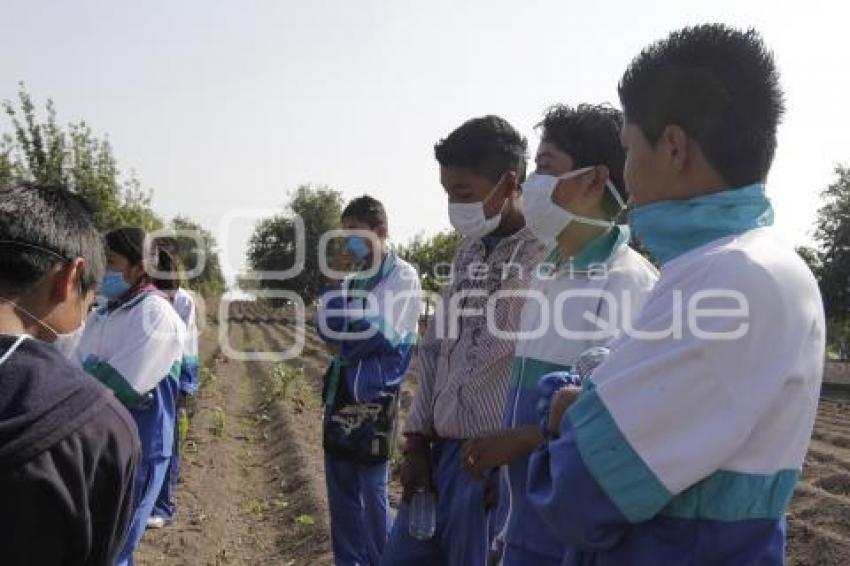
(381, 231)
(675, 147)
(595, 181)
(66, 280)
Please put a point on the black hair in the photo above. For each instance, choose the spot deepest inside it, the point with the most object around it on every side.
(132, 243)
(590, 134)
(721, 86)
(168, 261)
(128, 242)
(367, 210)
(40, 226)
(488, 146)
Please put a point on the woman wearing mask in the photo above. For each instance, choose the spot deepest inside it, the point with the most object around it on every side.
(134, 345)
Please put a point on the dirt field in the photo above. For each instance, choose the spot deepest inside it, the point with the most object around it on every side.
(252, 489)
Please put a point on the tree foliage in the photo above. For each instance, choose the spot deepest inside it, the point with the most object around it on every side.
(41, 151)
(211, 280)
(47, 153)
(432, 257)
(833, 236)
(272, 246)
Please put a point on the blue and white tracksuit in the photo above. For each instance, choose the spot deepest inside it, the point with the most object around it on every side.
(184, 304)
(598, 283)
(136, 349)
(687, 445)
(379, 329)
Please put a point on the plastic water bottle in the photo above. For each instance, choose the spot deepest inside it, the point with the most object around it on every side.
(423, 514)
(589, 360)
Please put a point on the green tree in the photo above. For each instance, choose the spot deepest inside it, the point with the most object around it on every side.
(211, 280)
(45, 152)
(812, 259)
(433, 258)
(833, 236)
(272, 246)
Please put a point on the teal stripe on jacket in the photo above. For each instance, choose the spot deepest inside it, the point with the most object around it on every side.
(640, 495)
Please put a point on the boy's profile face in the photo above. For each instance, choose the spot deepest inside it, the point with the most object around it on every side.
(351, 223)
(647, 174)
(71, 304)
(132, 272)
(552, 160)
(570, 194)
(464, 186)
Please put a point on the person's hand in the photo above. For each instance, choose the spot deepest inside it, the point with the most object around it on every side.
(415, 473)
(480, 455)
(561, 401)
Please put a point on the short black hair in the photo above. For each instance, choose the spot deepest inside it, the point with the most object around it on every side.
(488, 146)
(590, 134)
(366, 209)
(128, 242)
(721, 86)
(167, 250)
(40, 226)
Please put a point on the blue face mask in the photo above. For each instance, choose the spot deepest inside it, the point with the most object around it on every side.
(671, 228)
(357, 247)
(113, 285)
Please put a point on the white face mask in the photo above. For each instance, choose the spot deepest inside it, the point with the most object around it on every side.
(43, 324)
(469, 219)
(545, 218)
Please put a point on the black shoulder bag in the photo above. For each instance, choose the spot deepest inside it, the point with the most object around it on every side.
(363, 433)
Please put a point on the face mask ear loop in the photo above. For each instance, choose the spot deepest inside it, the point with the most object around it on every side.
(32, 316)
(616, 194)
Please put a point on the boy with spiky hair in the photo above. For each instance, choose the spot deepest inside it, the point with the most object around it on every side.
(687, 444)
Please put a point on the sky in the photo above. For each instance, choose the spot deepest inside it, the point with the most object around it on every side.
(224, 107)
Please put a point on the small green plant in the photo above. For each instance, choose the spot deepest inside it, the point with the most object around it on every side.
(183, 426)
(279, 381)
(305, 520)
(206, 377)
(255, 507)
(219, 421)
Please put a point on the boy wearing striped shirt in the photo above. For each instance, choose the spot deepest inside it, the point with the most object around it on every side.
(464, 366)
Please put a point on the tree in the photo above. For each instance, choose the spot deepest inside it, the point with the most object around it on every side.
(272, 246)
(432, 257)
(46, 153)
(812, 259)
(833, 236)
(211, 280)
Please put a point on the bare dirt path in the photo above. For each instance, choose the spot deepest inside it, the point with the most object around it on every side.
(248, 495)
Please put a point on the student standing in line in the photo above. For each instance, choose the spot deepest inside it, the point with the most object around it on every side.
(688, 444)
(184, 303)
(68, 449)
(594, 283)
(134, 345)
(371, 320)
(464, 367)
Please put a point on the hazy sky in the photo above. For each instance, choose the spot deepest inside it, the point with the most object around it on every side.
(224, 106)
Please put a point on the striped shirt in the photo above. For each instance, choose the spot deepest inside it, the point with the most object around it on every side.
(464, 368)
